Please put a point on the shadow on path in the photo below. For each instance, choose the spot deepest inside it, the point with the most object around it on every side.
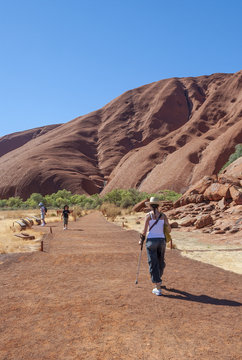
(75, 229)
(183, 295)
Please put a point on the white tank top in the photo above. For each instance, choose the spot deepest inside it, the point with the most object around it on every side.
(157, 230)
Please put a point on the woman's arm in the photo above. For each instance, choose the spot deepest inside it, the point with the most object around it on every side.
(167, 223)
(146, 225)
(143, 234)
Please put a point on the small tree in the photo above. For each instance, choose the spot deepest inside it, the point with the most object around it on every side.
(15, 202)
(34, 200)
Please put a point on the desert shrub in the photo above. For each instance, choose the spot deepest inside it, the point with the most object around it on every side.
(168, 195)
(124, 198)
(34, 200)
(76, 199)
(58, 199)
(128, 198)
(237, 154)
(15, 202)
(110, 210)
(77, 211)
(3, 203)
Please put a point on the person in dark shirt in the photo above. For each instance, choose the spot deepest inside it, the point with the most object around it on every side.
(65, 215)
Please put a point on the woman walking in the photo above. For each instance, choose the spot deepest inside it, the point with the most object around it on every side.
(155, 223)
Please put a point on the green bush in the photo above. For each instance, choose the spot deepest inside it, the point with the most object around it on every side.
(34, 200)
(119, 197)
(237, 154)
(15, 202)
(3, 203)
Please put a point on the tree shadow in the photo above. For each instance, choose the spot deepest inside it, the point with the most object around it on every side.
(75, 229)
(205, 299)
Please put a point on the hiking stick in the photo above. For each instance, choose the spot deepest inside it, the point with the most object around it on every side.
(137, 274)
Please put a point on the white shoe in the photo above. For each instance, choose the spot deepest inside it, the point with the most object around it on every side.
(156, 291)
(42, 224)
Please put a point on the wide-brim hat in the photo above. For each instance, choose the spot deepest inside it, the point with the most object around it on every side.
(153, 201)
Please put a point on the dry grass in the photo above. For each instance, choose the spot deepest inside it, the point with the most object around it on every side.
(12, 244)
(110, 210)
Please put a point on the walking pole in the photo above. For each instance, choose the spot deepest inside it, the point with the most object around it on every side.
(137, 274)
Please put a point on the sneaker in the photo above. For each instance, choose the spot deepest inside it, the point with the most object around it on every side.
(156, 291)
(42, 224)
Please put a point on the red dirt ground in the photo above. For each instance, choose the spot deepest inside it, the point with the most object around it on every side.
(79, 301)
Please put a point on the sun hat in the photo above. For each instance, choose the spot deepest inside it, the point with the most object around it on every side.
(153, 201)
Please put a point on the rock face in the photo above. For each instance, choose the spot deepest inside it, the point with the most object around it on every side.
(16, 140)
(165, 135)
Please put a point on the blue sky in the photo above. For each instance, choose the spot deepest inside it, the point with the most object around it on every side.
(64, 58)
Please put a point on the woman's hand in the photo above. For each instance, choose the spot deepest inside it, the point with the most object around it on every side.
(142, 239)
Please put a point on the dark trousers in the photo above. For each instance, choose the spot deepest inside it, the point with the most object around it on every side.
(156, 258)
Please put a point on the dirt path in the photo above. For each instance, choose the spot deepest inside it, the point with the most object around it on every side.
(79, 301)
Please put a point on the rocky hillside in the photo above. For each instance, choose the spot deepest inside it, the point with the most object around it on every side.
(213, 204)
(165, 135)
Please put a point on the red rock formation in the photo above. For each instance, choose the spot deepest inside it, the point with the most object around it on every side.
(13, 141)
(165, 135)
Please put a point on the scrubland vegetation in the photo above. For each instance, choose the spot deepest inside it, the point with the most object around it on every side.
(120, 198)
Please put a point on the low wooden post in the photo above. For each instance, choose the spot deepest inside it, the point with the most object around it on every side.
(42, 246)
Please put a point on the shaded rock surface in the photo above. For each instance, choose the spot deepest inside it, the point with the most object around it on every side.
(164, 135)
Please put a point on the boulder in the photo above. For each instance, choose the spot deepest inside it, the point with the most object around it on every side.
(217, 191)
(200, 186)
(234, 230)
(219, 232)
(140, 206)
(174, 225)
(222, 179)
(236, 194)
(195, 193)
(188, 222)
(203, 221)
(166, 205)
(234, 170)
(222, 204)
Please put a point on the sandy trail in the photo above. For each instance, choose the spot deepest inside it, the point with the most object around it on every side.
(79, 301)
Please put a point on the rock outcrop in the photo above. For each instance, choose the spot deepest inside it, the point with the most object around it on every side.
(165, 135)
(220, 208)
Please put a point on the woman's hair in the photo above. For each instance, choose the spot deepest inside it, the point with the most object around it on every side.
(154, 207)
(66, 206)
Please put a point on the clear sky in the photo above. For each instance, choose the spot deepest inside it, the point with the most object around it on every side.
(60, 59)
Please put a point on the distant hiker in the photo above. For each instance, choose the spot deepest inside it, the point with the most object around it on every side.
(65, 216)
(155, 223)
(43, 211)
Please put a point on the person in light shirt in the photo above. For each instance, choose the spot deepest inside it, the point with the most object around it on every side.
(42, 213)
(155, 222)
